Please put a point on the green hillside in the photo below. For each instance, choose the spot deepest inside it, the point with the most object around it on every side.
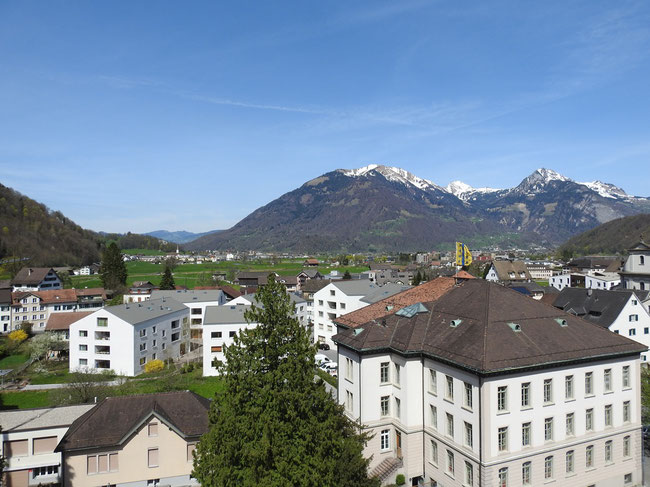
(613, 237)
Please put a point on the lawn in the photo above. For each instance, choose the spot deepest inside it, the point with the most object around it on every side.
(24, 399)
(13, 361)
(143, 252)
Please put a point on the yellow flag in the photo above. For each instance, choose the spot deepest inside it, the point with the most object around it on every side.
(463, 255)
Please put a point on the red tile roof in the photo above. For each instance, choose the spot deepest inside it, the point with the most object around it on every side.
(62, 321)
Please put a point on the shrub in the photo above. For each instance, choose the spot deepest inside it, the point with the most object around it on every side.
(26, 326)
(18, 336)
(154, 366)
(400, 479)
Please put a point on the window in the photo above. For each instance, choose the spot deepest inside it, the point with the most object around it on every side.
(83, 362)
(398, 408)
(332, 292)
(383, 372)
(384, 405)
(608, 415)
(548, 467)
(190, 451)
(434, 416)
(589, 456)
(232, 333)
(106, 462)
(607, 379)
(469, 474)
(176, 336)
(631, 332)
(570, 462)
(102, 322)
(341, 305)
(525, 434)
(626, 446)
(525, 395)
(570, 428)
(434, 452)
(469, 435)
(548, 391)
(397, 374)
(320, 302)
(348, 368)
(83, 348)
(589, 419)
(548, 429)
(525, 473)
(450, 425)
(83, 333)
(503, 477)
(608, 451)
(633, 318)
(152, 429)
(215, 334)
(568, 387)
(175, 324)
(16, 448)
(153, 329)
(627, 479)
(450, 462)
(626, 412)
(152, 457)
(433, 381)
(502, 398)
(349, 398)
(450, 388)
(626, 376)
(143, 332)
(589, 389)
(143, 360)
(503, 438)
(44, 471)
(384, 439)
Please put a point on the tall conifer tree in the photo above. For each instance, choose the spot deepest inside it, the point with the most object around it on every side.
(273, 425)
(113, 269)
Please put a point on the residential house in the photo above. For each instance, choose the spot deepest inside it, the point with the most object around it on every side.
(482, 386)
(36, 279)
(561, 280)
(197, 301)
(341, 297)
(29, 439)
(59, 323)
(311, 263)
(221, 325)
(594, 263)
(508, 271)
(135, 441)
(619, 311)
(636, 270)
(602, 280)
(139, 291)
(124, 338)
(299, 305)
(250, 281)
(27, 306)
(307, 274)
(5, 310)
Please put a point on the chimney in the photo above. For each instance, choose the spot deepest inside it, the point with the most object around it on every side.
(29, 271)
(589, 291)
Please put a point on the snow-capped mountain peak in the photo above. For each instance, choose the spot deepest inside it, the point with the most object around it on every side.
(392, 174)
(464, 191)
(606, 190)
(548, 175)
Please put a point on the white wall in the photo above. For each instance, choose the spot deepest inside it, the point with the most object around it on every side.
(224, 340)
(324, 329)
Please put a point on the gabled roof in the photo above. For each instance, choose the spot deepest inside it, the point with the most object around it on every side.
(31, 276)
(92, 291)
(505, 267)
(62, 321)
(112, 422)
(486, 328)
(424, 292)
(142, 285)
(311, 273)
(314, 285)
(641, 246)
(134, 313)
(596, 305)
(57, 296)
(5, 296)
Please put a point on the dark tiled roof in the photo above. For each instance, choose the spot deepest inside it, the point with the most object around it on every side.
(5, 284)
(596, 305)
(484, 339)
(112, 420)
(62, 321)
(314, 285)
(424, 292)
(5, 296)
(640, 246)
(31, 276)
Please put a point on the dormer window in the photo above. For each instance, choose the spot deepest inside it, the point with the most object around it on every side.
(511, 275)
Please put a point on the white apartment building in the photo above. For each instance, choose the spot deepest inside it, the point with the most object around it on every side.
(220, 327)
(539, 271)
(621, 312)
(197, 301)
(299, 305)
(483, 386)
(29, 437)
(5, 310)
(342, 297)
(602, 280)
(124, 338)
(560, 281)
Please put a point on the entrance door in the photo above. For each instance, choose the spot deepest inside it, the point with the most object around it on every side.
(398, 443)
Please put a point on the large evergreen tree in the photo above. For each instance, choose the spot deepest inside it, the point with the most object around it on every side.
(167, 281)
(273, 425)
(113, 269)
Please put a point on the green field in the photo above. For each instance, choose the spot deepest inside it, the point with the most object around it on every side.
(143, 252)
(189, 274)
(13, 361)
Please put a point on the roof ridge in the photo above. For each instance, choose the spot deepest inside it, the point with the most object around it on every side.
(487, 323)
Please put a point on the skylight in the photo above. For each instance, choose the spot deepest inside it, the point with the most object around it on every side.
(412, 310)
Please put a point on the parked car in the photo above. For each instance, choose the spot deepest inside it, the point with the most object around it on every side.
(320, 359)
(323, 346)
(330, 367)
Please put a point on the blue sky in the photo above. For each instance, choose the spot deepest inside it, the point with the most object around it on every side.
(136, 116)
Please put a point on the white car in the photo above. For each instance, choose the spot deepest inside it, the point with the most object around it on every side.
(331, 368)
(320, 359)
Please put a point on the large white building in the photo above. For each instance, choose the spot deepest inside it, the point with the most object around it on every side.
(341, 297)
(636, 270)
(124, 338)
(482, 386)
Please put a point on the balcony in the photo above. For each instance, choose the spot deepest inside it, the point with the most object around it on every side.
(331, 304)
(102, 349)
(102, 335)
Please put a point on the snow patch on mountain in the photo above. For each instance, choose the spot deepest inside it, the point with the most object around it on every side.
(606, 190)
(393, 174)
(464, 191)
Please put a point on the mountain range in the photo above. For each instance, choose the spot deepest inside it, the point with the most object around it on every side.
(178, 237)
(383, 208)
